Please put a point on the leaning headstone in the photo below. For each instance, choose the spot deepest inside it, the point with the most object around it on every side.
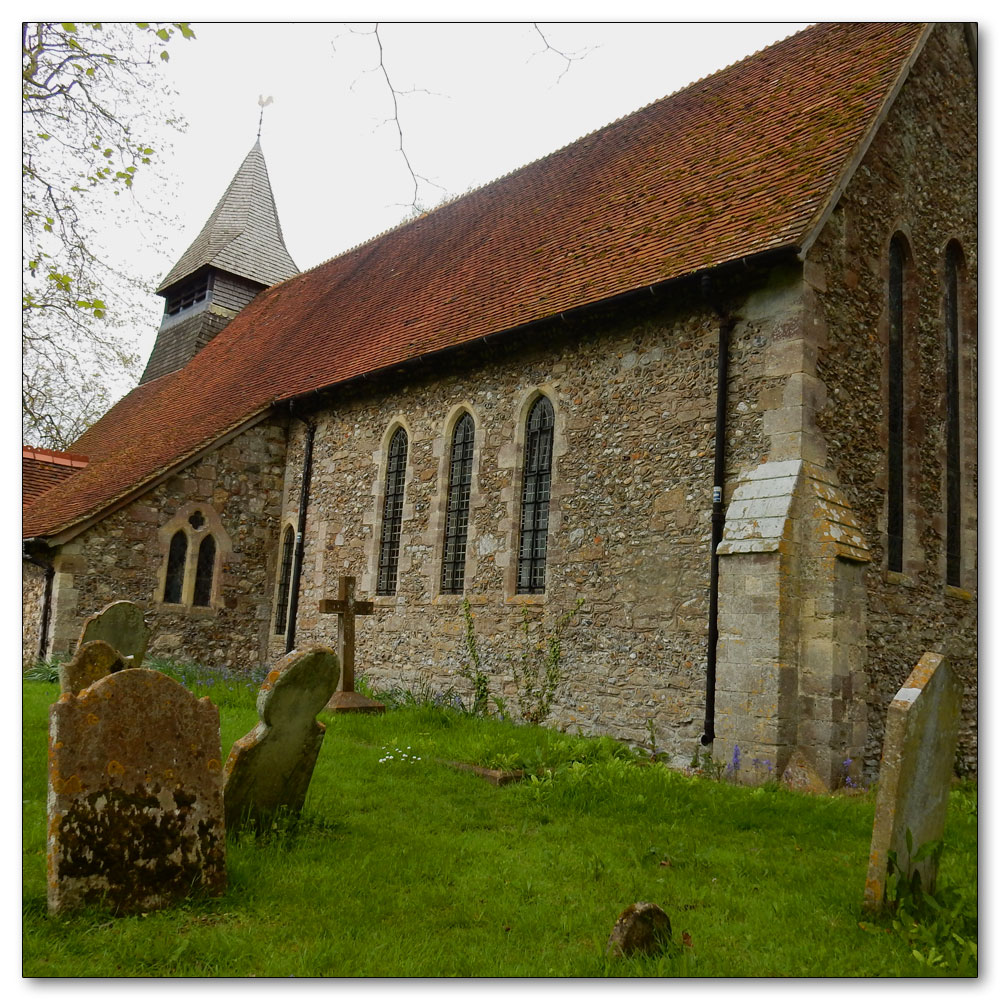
(135, 795)
(918, 753)
(642, 929)
(268, 771)
(122, 627)
(91, 662)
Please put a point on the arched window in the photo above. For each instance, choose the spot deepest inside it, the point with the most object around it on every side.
(392, 514)
(204, 575)
(194, 544)
(457, 518)
(952, 348)
(176, 561)
(896, 409)
(535, 498)
(284, 580)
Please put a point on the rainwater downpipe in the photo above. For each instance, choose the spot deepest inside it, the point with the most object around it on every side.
(726, 324)
(300, 536)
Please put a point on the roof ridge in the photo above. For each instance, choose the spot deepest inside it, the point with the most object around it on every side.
(552, 153)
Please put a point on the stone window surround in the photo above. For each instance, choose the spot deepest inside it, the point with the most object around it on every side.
(913, 555)
(195, 536)
(373, 541)
(289, 525)
(514, 459)
(438, 514)
(511, 456)
(966, 392)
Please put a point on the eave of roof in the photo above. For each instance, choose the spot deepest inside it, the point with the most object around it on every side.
(741, 163)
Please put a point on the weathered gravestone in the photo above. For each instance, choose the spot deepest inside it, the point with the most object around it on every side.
(91, 662)
(347, 606)
(918, 753)
(122, 627)
(135, 795)
(268, 771)
(642, 929)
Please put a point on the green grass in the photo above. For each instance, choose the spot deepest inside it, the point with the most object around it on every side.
(412, 868)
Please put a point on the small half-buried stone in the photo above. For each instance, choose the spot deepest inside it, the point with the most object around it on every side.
(135, 795)
(801, 776)
(268, 771)
(642, 929)
(91, 662)
(122, 626)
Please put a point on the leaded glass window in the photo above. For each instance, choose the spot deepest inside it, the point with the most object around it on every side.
(176, 559)
(953, 265)
(894, 520)
(284, 580)
(457, 516)
(204, 574)
(392, 514)
(535, 498)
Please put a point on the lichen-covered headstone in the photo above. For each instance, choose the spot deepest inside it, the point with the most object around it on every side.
(135, 795)
(642, 929)
(268, 771)
(121, 626)
(91, 662)
(918, 755)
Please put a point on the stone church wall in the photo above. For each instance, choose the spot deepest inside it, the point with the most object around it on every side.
(918, 177)
(32, 595)
(237, 486)
(634, 400)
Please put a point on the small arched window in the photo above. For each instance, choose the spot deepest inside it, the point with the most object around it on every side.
(898, 256)
(284, 580)
(535, 498)
(457, 516)
(392, 514)
(176, 561)
(954, 263)
(204, 575)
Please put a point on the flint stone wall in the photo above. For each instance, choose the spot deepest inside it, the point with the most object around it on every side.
(634, 400)
(918, 177)
(123, 557)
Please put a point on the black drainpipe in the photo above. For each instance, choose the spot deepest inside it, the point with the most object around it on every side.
(43, 629)
(300, 536)
(726, 324)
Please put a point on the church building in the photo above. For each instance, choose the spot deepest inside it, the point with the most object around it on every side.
(703, 383)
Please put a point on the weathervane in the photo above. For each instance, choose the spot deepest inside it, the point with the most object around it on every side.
(263, 102)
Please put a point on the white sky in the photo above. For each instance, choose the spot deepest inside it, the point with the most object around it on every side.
(489, 99)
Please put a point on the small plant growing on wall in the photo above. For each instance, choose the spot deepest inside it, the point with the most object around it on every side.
(537, 667)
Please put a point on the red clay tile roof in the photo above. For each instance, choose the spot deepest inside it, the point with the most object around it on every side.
(42, 468)
(739, 163)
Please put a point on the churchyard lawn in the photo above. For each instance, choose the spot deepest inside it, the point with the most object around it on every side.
(404, 866)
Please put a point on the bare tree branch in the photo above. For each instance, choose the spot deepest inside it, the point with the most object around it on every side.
(570, 57)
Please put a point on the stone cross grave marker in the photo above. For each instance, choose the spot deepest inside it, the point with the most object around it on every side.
(92, 661)
(122, 627)
(918, 752)
(347, 607)
(135, 795)
(268, 771)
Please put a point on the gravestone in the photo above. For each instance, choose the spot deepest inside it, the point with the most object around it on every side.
(122, 627)
(642, 929)
(135, 795)
(347, 607)
(918, 754)
(268, 771)
(91, 662)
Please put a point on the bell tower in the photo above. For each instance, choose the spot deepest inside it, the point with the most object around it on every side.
(239, 252)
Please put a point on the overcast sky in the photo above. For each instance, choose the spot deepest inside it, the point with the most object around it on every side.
(479, 101)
